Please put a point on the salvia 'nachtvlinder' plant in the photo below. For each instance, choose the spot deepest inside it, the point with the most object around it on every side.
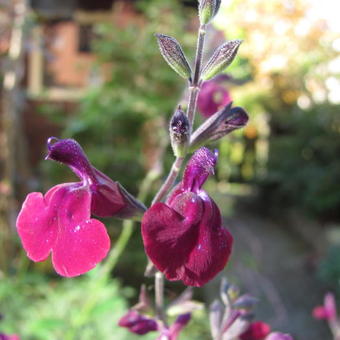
(182, 230)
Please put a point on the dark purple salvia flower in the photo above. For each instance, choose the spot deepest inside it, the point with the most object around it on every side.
(60, 223)
(184, 237)
(137, 323)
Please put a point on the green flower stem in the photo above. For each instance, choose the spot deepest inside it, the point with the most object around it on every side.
(199, 54)
(195, 85)
(159, 297)
(176, 167)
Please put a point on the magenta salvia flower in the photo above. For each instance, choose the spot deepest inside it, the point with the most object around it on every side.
(184, 237)
(212, 97)
(328, 310)
(60, 223)
(9, 337)
(137, 323)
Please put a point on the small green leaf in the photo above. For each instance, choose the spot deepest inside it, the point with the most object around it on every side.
(173, 54)
(222, 57)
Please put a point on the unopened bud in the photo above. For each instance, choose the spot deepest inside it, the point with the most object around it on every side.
(173, 54)
(222, 57)
(179, 132)
(218, 125)
(207, 9)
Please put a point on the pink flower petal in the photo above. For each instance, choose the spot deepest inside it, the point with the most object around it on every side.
(82, 242)
(37, 224)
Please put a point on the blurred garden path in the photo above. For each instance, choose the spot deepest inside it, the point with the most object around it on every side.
(273, 263)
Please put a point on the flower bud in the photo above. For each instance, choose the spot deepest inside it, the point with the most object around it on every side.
(137, 323)
(222, 57)
(218, 125)
(179, 132)
(207, 9)
(173, 54)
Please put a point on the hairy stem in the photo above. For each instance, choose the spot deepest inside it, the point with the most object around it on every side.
(170, 180)
(199, 54)
(194, 87)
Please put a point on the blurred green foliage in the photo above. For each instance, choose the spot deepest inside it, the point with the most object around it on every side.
(329, 267)
(81, 308)
(290, 146)
(303, 168)
(138, 86)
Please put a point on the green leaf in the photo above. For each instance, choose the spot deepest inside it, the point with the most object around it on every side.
(173, 54)
(222, 57)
